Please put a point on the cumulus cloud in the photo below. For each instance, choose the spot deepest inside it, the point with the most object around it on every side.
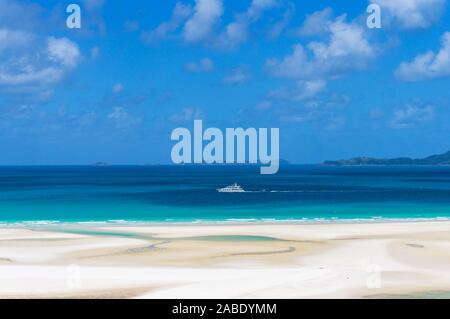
(428, 65)
(347, 49)
(63, 51)
(180, 13)
(290, 66)
(36, 71)
(201, 24)
(411, 116)
(316, 23)
(257, 7)
(204, 65)
(237, 31)
(411, 14)
(237, 76)
(343, 47)
(31, 63)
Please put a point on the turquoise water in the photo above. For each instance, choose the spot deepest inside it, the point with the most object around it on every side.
(188, 193)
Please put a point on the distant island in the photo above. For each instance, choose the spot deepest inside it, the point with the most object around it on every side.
(442, 159)
(101, 164)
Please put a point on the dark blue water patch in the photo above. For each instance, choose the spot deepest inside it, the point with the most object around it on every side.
(198, 198)
(362, 171)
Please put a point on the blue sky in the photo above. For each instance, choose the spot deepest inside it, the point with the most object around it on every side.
(113, 90)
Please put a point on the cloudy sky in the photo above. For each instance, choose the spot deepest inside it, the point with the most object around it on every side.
(114, 90)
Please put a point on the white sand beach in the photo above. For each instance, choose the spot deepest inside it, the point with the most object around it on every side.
(261, 260)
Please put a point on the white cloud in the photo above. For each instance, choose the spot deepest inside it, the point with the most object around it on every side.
(180, 13)
(201, 24)
(237, 31)
(238, 76)
(31, 63)
(291, 66)
(12, 39)
(429, 65)
(36, 68)
(308, 89)
(344, 47)
(347, 49)
(316, 23)
(412, 116)
(122, 119)
(204, 65)
(187, 114)
(117, 88)
(257, 7)
(63, 51)
(346, 39)
(302, 90)
(411, 14)
(277, 29)
(29, 75)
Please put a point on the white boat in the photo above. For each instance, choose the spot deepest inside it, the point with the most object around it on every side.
(235, 188)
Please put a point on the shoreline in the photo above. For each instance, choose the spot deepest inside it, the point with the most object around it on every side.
(224, 222)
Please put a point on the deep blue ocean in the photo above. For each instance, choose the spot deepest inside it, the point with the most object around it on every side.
(188, 193)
